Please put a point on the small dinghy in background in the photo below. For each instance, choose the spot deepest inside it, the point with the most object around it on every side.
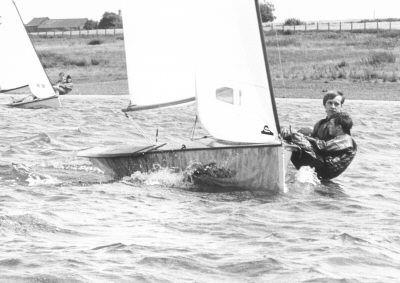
(20, 65)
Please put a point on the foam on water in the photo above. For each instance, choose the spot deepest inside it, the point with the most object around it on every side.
(307, 175)
(163, 177)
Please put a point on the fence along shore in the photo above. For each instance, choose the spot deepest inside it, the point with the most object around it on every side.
(79, 33)
(336, 26)
(311, 26)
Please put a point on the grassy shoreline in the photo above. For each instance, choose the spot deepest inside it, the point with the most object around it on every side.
(363, 65)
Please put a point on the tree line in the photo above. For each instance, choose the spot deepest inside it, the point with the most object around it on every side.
(113, 20)
(109, 20)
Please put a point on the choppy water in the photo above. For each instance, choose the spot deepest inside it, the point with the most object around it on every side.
(62, 220)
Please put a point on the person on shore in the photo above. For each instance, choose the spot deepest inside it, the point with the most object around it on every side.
(330, 157)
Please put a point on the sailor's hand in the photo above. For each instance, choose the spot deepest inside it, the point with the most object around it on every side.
(310, 139)
(307, 131)
(286, 133)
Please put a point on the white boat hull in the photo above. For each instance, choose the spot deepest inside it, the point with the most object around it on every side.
(50, 102)
(254, 167)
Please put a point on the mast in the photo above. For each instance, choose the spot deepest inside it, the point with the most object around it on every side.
(267, 66)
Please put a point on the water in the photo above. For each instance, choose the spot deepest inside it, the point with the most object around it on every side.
(61, 219)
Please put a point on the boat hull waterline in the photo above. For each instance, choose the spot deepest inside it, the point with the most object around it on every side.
(49, 102)
(256, 167)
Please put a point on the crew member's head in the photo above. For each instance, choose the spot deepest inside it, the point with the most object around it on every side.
(340, 123)
(333, 101)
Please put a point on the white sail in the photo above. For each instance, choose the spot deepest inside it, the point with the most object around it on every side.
(158, 38)
(210, 48)
(233, 93)
(19, 63)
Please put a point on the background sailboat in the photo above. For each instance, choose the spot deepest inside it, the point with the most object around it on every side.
(20, 65)
(213, 51)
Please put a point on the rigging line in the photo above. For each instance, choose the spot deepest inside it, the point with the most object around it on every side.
(280, 59)
(194, 128)
(138, 128)
(281, 66)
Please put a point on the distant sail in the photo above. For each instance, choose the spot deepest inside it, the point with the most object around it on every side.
(19, 63)
(159, 52)
(235, 101)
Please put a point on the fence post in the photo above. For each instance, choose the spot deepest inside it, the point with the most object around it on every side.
(351, 26)
(294, 28)
(365, 26)
(70, 33)
(97, 32)
(377, 26)
(390, 25)
(329, 26)
(317, 26)
(114, 31)
(305, 26)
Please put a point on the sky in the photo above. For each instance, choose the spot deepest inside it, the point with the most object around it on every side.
(305, 10)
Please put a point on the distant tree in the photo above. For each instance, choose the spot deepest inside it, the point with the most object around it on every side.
(293, 22)
(110, 20)
(267, 10)
(90, 24)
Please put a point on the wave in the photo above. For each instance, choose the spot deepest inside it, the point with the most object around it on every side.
(27, 223)
(25, 175)
(41, 138)
(42, 278)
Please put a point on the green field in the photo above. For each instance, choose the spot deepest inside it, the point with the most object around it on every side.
(303, 65)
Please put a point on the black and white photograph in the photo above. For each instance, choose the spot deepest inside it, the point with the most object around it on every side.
(199, 141)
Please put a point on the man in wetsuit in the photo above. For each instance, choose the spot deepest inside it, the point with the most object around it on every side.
(329, 158)
(333, 101)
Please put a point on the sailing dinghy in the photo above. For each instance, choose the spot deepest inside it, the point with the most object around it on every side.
(213, 53)
(20, 66)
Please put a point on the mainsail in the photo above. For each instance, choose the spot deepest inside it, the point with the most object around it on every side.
(159, 51)
(234, 97)
(19, 63)
(209, 49)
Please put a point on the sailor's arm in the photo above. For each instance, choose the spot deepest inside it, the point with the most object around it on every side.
(336, 144)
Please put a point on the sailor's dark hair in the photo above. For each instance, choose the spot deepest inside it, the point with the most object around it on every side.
(331, 94)
(344, 120)
(68, 77)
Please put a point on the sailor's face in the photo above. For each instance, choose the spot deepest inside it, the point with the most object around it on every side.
(333, 106)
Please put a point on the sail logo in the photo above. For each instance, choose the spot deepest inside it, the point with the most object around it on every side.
(267, 131)
(0, 20)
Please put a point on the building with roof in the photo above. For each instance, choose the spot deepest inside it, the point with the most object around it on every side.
(32, 26)
(37, 25)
